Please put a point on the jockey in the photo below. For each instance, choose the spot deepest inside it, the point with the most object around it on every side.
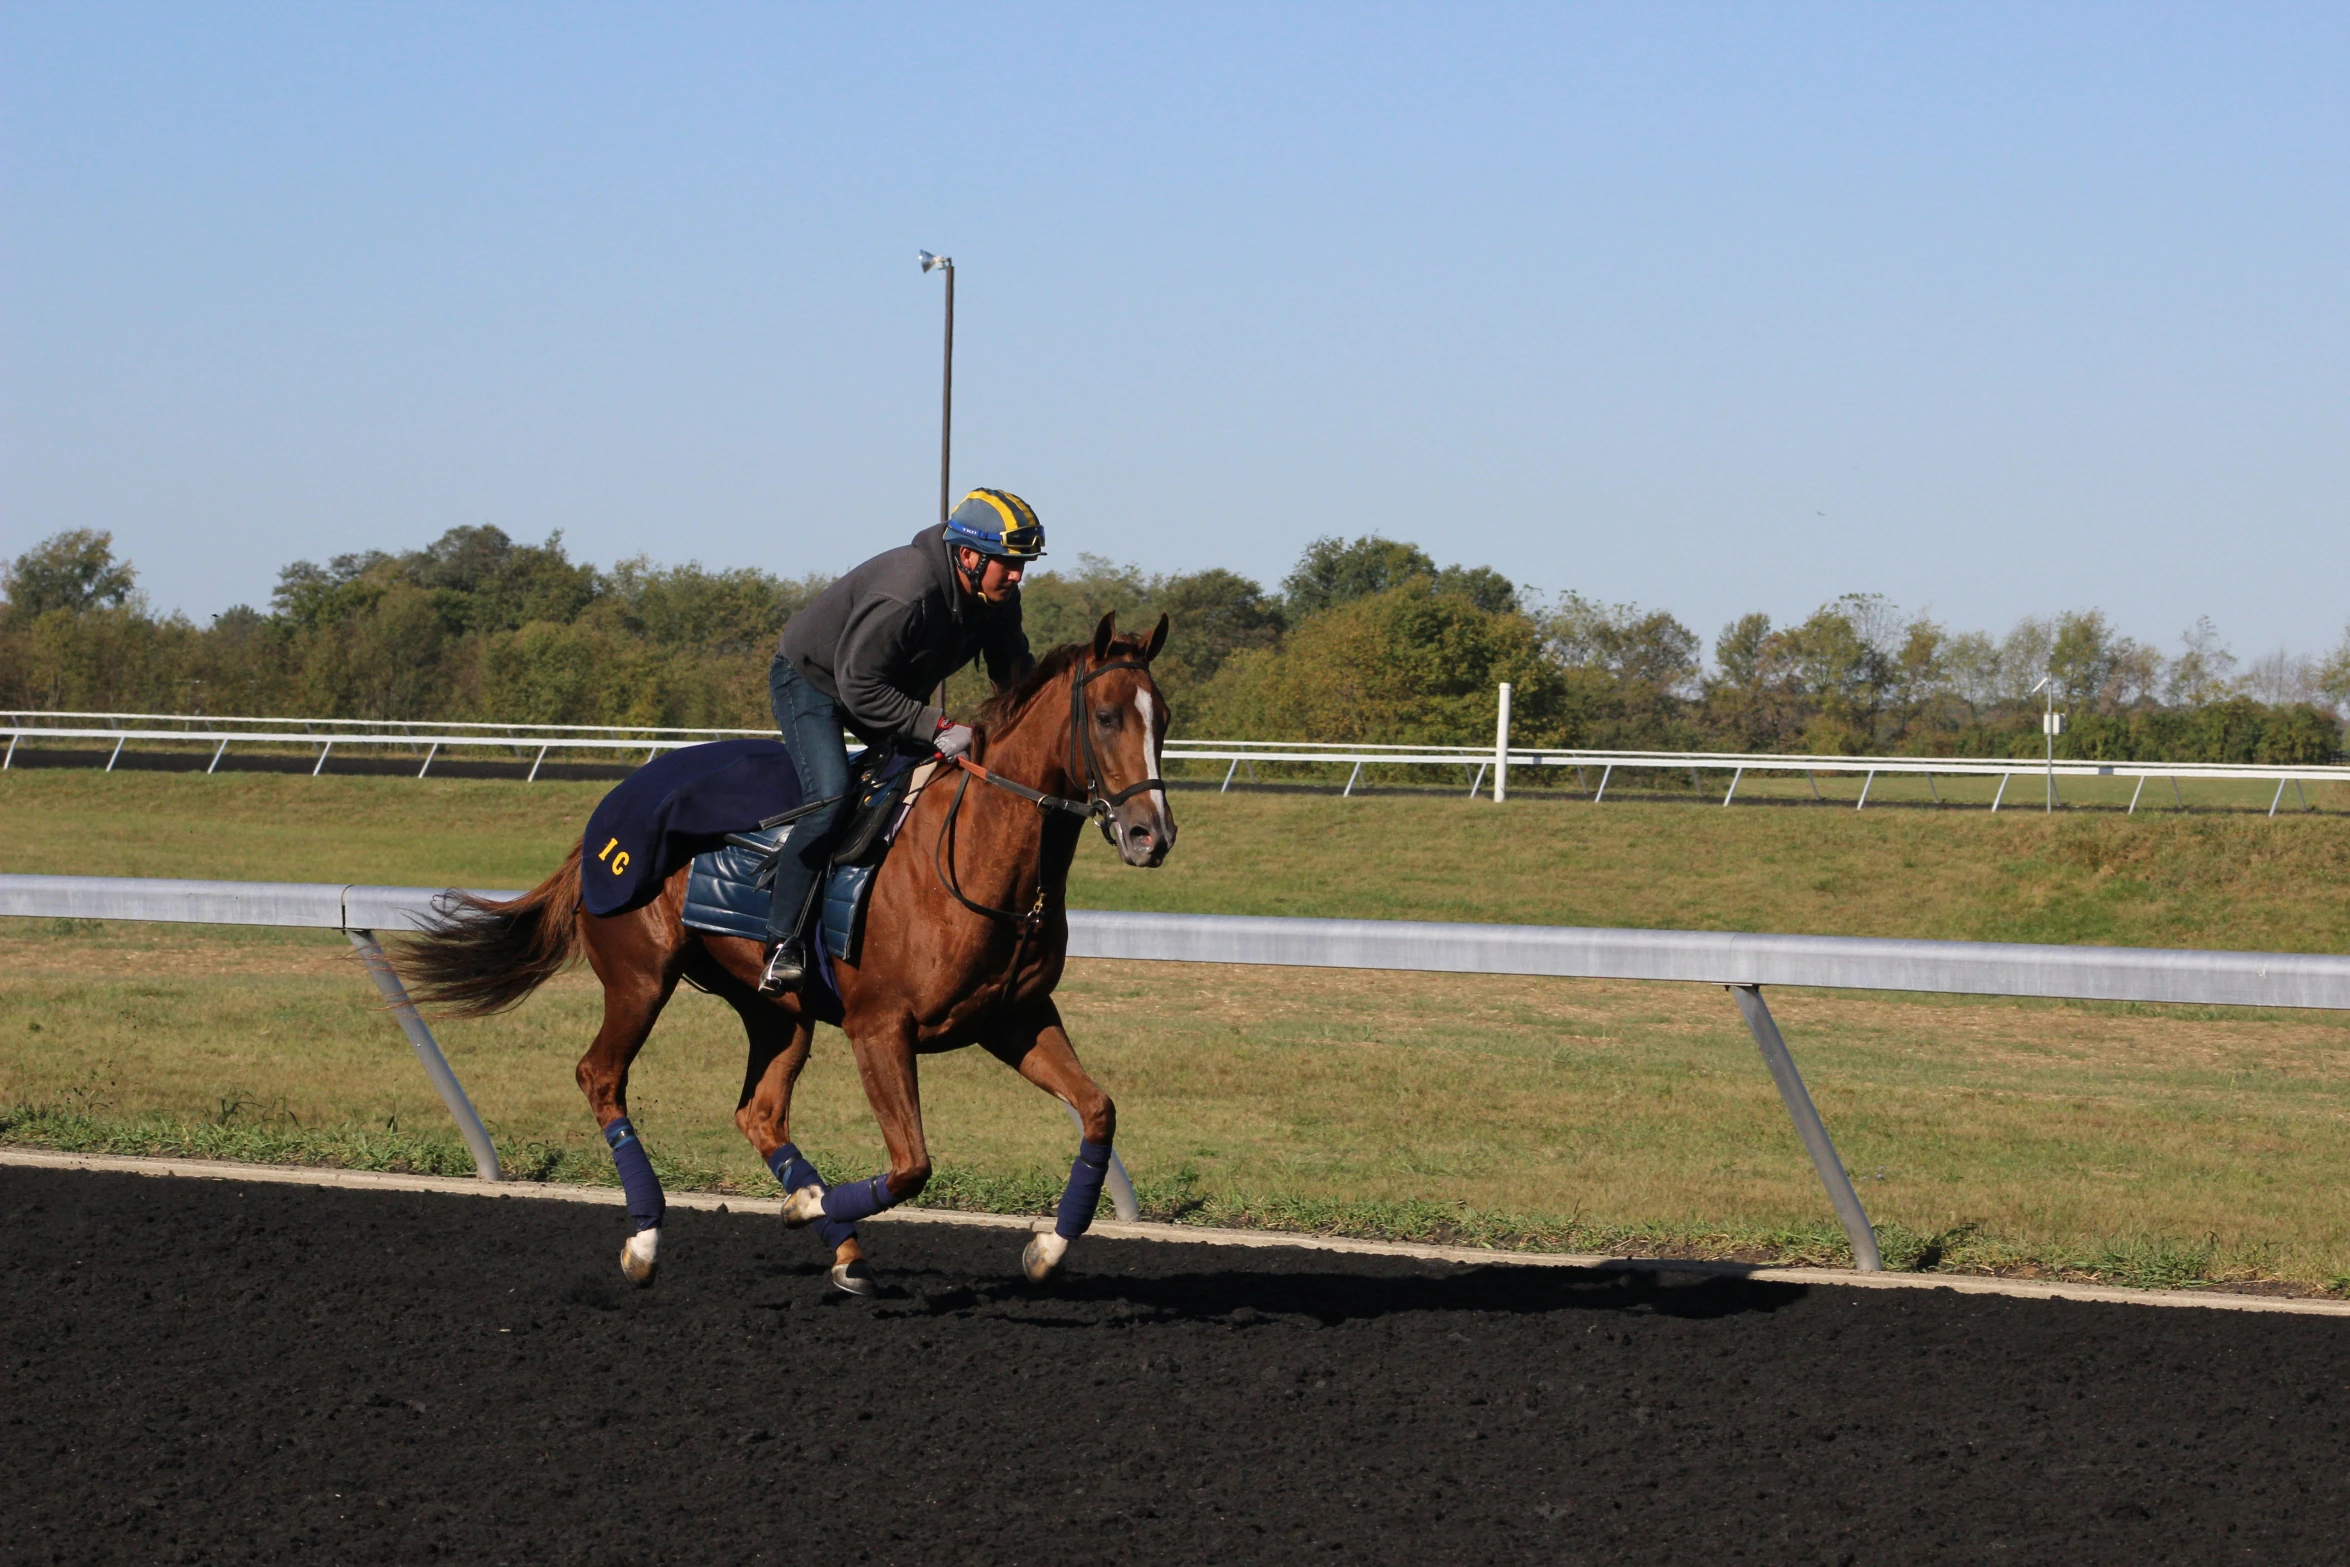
(866, 656)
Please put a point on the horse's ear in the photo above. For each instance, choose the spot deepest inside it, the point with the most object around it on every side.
(1158, 640)
(1102, 635)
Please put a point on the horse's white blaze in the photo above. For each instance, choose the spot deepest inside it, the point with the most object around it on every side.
(1150, 746)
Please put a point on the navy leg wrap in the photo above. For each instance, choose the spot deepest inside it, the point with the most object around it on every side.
(794, 1171)
(637, 1180)
(859, 1199)
(1084, 1191)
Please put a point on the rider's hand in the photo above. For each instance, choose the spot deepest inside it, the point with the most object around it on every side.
(952, 739)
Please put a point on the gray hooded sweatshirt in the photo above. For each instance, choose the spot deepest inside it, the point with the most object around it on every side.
(879, 640)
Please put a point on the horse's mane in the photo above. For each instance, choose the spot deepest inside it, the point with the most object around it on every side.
(1001, 710)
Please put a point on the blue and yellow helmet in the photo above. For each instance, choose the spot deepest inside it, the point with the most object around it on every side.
(997, 522)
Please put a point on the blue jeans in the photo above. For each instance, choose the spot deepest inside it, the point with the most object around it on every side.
(811, 723)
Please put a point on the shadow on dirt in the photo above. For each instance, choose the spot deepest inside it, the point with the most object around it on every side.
(1243, 1299)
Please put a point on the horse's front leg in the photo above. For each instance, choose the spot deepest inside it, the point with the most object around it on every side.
(885, 1062)
(1037, 1047)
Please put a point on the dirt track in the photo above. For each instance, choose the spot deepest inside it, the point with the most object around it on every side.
(202, 1371)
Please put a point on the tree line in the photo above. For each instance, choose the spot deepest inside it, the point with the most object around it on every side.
(1365, 640)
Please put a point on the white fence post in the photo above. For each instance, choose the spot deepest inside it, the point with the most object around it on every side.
(1501, 747)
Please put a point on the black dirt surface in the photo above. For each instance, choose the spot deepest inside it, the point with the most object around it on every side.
(203, 1371)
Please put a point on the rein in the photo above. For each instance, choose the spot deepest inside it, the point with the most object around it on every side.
(1095, 807)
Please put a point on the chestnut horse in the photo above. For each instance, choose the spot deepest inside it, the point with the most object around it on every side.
(964, 940)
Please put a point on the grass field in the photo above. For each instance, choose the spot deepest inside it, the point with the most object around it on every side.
(2149, 1144)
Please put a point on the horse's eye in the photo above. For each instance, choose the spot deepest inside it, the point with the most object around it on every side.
(1107, 717)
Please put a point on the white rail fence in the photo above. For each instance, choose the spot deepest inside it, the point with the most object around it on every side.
(180, 729)
(1744, 964)
(1478, 763)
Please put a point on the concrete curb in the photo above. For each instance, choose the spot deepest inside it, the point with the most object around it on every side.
(609, 1196)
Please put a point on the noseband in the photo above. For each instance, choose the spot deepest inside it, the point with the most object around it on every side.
(1095, 807)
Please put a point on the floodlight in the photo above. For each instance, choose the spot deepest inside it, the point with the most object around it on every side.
(930, 261)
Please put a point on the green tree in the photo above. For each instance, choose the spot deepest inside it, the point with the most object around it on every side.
(2094, 668)
(739, 611)
(1333, 572)
(1754, 701)
(1212, 615)
(1408, 664)
(1064, 606)
(2333, 675)
(1845, 670)
(72, 571)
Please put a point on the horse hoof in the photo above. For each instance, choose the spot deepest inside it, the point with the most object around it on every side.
(1041, 1257)
(641, 1256)
(803, 1207)
(855, 1278)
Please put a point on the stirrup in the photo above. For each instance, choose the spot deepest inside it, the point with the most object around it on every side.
(787, 968)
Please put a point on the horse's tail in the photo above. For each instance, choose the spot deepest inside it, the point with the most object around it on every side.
(475, 956)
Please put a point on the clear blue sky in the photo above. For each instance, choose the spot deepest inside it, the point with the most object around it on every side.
(1999, 310)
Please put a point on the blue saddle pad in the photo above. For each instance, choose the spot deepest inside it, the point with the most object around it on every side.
(730, 888)
(675, 807)
(727, 891)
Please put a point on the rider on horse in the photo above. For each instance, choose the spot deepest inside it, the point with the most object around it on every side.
(866, 656)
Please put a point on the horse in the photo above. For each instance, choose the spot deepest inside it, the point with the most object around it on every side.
(965, 939)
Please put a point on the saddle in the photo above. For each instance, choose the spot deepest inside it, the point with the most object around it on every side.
(730, 888)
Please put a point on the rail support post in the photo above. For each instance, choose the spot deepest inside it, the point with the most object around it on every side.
(436, 1065)
(1824, 1158)
(1122, 1201)
(1350, 781)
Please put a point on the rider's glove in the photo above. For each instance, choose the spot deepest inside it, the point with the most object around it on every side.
(953, 739)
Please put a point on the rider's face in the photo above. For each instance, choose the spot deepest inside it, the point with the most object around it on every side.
(1001, 578)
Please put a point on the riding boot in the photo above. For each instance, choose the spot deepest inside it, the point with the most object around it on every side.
(787, 964)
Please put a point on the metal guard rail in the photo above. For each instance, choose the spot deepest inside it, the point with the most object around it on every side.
(1741, 962)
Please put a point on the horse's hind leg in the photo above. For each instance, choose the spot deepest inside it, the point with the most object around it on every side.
(638, 978)
(1037, 1047)
(780, 1041)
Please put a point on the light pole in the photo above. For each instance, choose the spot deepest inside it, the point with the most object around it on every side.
(2051, 725)
(946, 396)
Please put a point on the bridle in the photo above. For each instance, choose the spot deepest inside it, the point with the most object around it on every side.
(1095, 807)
